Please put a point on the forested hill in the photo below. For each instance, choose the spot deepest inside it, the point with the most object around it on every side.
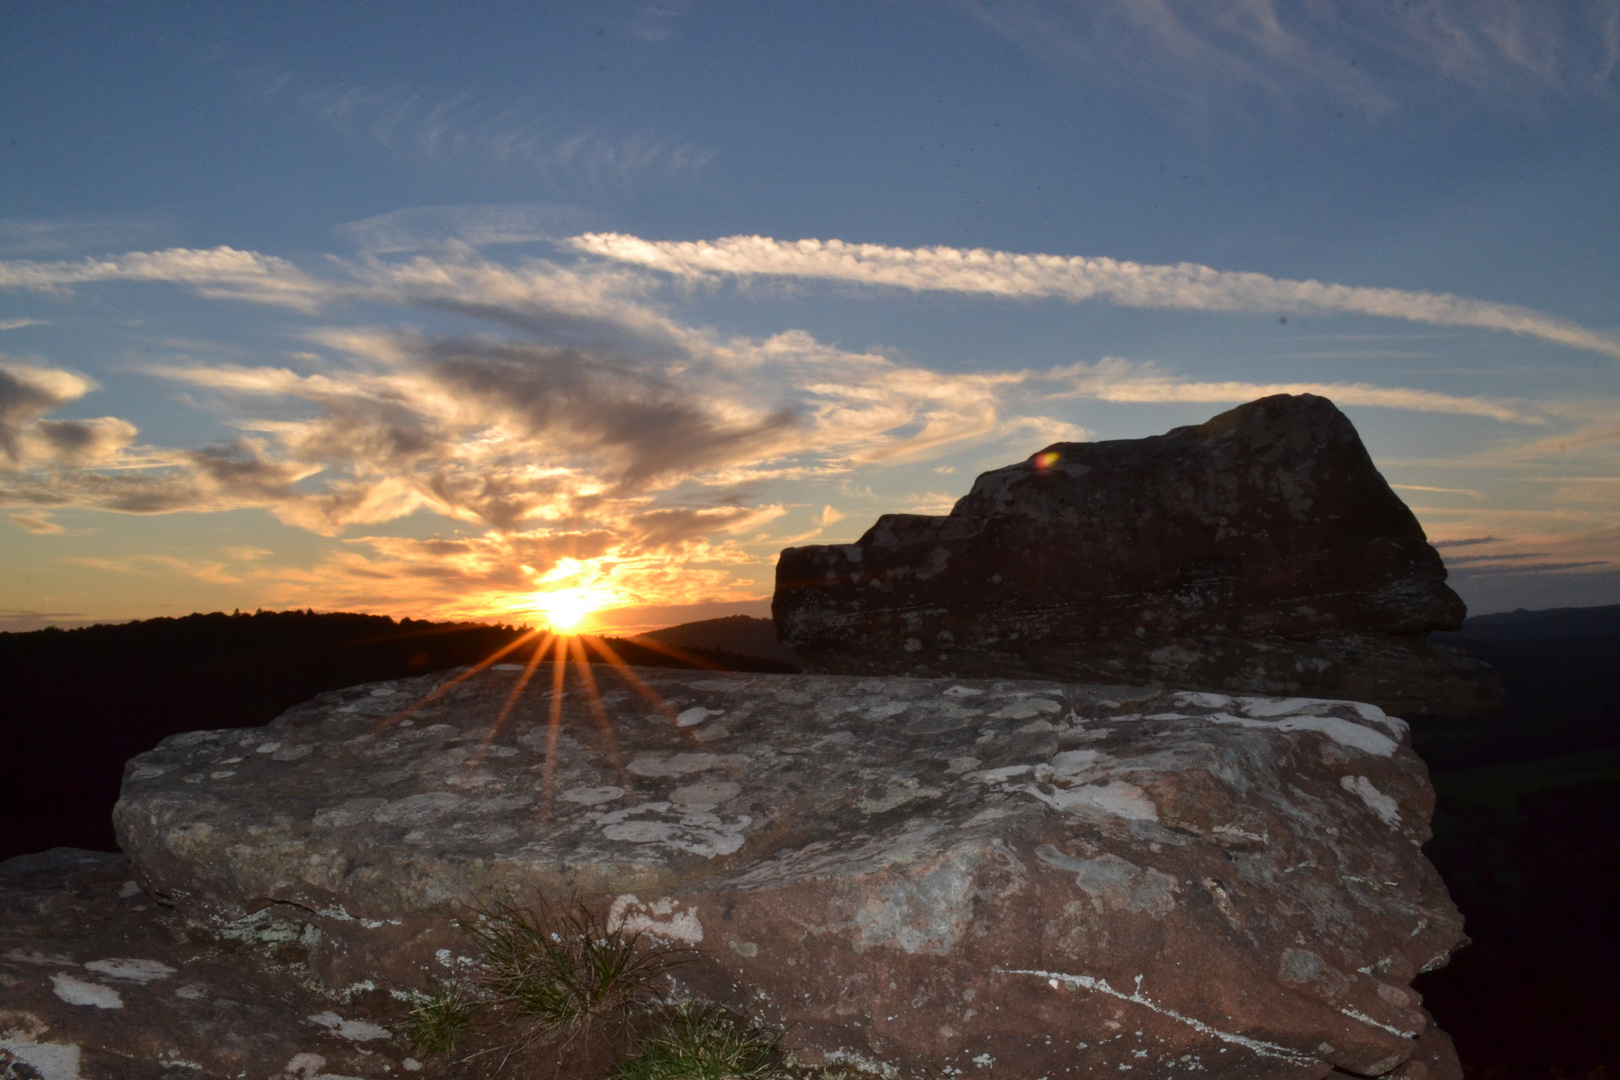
(79, 703)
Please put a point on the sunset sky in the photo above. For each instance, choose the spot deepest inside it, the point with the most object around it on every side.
(435, 309)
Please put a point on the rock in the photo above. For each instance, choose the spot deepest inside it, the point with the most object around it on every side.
(1260, 552)
(99, 982)
(1009, 877)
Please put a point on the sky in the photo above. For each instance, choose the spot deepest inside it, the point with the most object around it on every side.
(482, 310)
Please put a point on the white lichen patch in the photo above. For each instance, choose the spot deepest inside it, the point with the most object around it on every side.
(1116, 883)
(131, 969)
(353, 1030)
(712, 793)
(76, 991)
(927, 913)
(1026, 708)
(656, 764)
(662, 919)
(963, 692)
(1344, 732)
(692, 828)
(592, 796)
(696, 715)
(1118, 798)
(1387, 809)
(51, 1061)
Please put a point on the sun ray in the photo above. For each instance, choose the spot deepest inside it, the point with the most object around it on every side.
(593, 699)
(511, 700)
(677, 654)
(627, 673)
(444, 688)
(559, 672)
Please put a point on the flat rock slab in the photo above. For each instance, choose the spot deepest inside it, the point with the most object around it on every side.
(994, 878)
(99, 982)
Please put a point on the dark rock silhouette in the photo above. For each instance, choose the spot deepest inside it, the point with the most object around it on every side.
(1258, 552)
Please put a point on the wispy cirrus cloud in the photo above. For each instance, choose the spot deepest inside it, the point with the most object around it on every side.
(221, 273)
(423, 227)
(1113, 379)
(1075, 278)
(1371, 57)
(427, 126)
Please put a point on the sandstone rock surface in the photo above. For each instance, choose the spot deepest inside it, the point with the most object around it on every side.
(987, 878)
(1260, 552)
(99, 982)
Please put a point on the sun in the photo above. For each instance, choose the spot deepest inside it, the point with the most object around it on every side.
(566, 610)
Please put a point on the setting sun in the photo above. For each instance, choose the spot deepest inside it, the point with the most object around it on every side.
(566, 610)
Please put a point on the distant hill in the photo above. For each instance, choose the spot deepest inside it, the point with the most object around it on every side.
(1547, 623)
(742, 635)
(79, 703)
(1527, 837)
(1560, 669)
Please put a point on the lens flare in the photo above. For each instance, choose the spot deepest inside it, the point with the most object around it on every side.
(1046, 460)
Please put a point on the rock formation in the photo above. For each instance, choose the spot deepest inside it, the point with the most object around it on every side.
(1260, 552)
(99, 982)
(997, 878)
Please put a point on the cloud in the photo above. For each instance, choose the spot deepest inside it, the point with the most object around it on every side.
(584, 435)
(431, 127)
(28, 440)
(1075, 278)
(36, 522)
(18, 324)
(221, 273)
(424, 227)
(1370, 57)
(1113, 379)
(73, 236)
(1536, 552)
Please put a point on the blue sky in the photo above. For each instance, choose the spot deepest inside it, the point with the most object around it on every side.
(429, 309)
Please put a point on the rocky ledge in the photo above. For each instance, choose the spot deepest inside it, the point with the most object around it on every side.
(98, 981)
(984, 878)
(1260, 552)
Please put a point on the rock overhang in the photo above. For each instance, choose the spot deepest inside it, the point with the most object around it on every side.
(862, 851)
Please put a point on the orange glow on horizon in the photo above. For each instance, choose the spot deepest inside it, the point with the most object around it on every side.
(568, 611)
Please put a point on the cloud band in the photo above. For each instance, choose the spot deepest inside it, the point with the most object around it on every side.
(1075, 278)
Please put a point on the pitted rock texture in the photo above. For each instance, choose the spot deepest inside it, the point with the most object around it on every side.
(994, 878)
(100, 982)
(1260, 552)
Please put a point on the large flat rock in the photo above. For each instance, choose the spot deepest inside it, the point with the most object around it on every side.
(1001, 878)
(1259, 552)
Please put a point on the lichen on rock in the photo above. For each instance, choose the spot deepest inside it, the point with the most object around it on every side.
(1058, 878)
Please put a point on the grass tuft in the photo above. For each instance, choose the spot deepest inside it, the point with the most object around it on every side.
(443, 1014)
(564, 972)
(705, 1041)
(553, 992)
